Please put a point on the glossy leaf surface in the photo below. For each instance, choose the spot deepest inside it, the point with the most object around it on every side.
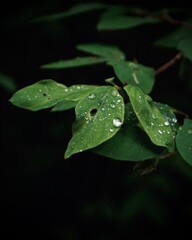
(152, 121)
(99, 116)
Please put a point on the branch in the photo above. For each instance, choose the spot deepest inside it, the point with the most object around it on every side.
(170, 63)
(168, 18)
(168, 155)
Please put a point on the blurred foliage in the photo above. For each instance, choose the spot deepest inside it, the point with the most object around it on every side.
(88, 196)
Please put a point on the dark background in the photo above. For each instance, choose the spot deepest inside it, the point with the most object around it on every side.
(86, 196)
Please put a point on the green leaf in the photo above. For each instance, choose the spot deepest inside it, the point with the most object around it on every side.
(78, 92)
(186, 47)
(184, 141)
(106, 51)
(172, 40)
(168, 113)
(152, 121)
(76, 62)
(98, 118)
(72, 95)
(135, 74)
(64, 105)
(47, 93)
(114, 11)
(77, 9)
(185, 72)
(7, 83)
(40, 95)
(130, 144)
(123, 22)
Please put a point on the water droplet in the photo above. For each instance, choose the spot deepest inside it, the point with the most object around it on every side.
(140, 99)
(153, 116)
(78, 87)
(160, 131)
(91, 96)
(114, 93)
(40, 90)
(117, 122)
(103, 109)
(174, 120)
(112, 105)
(166, 123)
(66, 90)
(119, 100)
(189, 131)
(111, 130)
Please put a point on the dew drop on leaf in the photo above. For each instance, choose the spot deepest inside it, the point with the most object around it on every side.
(112, 105)
(117, 122)
(174, 120)
(189, 131)
(166, 123)
(160, 131)
(91, 96)
(114, 93)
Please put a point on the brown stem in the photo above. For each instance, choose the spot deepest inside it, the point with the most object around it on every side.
(181, 113)
(167, 155)
(170, 63)
(168, 18)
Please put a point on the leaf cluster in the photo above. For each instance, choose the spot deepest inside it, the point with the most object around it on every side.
(118, 119)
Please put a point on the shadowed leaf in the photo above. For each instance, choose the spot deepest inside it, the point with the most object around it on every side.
(186, 47)
(106, 51)
(172, 40)
(129, 144)
(77, 9)
(7, 83)
(184, 141)
(123, 22)
(76, 62)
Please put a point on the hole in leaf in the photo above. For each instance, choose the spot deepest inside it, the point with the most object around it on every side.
(93, 112)
(44, 94)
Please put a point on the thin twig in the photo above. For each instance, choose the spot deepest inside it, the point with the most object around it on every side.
(170, 63)
(181, 113)
(168, 155)
(168, 18)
